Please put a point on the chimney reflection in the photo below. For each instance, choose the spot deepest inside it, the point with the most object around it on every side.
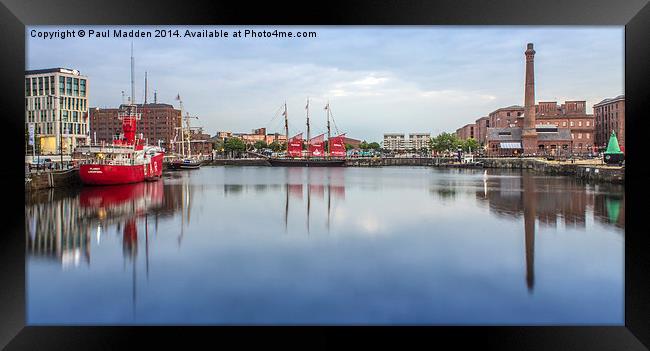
(547, 201)
(530, 206)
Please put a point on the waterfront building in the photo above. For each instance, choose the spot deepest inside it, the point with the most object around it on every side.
(394, 141)
(200, 141)
(419, 141)
(159, 123)
(507, 117)
(571, 115)
(482, 124)
(467, 131)
(356, 143)
(256, 135)
(530, 136)
(56, 103)
(609, 116)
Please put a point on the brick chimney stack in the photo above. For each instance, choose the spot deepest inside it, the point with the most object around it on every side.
(529, 135)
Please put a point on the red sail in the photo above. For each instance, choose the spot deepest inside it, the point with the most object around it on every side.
(337, 146)
(294, 148)
(316, 146)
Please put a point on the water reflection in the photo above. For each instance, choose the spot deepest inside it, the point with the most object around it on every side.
(547, 200)
(400, 244)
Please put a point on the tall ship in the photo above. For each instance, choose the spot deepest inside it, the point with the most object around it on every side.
(318, 154)
(127, 159)
(186, 160)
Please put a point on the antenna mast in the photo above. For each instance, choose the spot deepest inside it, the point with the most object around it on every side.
(286, 124)
(328, 127)
(145, 87)
(132, 82)
(308, 135)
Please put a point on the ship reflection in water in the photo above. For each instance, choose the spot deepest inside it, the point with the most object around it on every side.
(392, 245)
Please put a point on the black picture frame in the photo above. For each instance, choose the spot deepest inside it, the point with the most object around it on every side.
(634, 15)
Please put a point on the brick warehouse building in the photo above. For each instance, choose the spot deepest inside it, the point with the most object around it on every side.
(467, 131)
(609, 115)
(507, 117)
(571, 115)
(482, 124)
(531, 138)
(159, 122)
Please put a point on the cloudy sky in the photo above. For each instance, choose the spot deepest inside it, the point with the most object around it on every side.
(377, 79)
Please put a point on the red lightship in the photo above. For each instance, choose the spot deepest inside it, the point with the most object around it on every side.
(127, 159)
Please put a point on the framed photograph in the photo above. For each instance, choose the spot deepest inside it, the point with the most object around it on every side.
(353, 174)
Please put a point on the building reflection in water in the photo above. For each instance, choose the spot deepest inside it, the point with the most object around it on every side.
(59, 224)
(548, 201)
(57, 228)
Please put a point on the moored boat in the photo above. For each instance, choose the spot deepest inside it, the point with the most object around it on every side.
(317, 155)
(186, 163)
(127, 159)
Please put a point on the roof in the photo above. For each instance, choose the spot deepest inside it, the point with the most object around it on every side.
(53, 70)
(512, 107)
(493, 134)
(562, 134)
(610, 100)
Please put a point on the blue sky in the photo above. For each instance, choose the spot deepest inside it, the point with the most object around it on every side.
(377, 78)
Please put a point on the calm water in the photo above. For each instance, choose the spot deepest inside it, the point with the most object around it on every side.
(393, 245)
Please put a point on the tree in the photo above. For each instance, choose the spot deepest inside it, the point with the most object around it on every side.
(348, 147)
(374, 145)
(275, 146)
(234, 145)
(363, 145)
(445, 142)
(260, 144)
(217, 145)
(470, 144)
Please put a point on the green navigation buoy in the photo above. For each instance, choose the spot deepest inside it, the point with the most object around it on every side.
(613, 153)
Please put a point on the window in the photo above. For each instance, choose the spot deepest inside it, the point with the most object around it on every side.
(82, 87)
(580, 124)
(579, 135)
(52, 85)
(587, 123)
(572, 123)
(33, 86)
(68, 86)
(27, 90)
(75, 86)
(40, 85)
(508, 114)
(61, 84)
(587, 135)
(573, 136)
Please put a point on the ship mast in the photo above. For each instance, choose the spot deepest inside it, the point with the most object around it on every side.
(189, 135)
(308, 135)
(286, 125)
(132, 75)
(180, 102)
(328, 127)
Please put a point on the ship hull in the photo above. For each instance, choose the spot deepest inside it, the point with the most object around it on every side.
(294, 162)
(176, 165)
(103, 174)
